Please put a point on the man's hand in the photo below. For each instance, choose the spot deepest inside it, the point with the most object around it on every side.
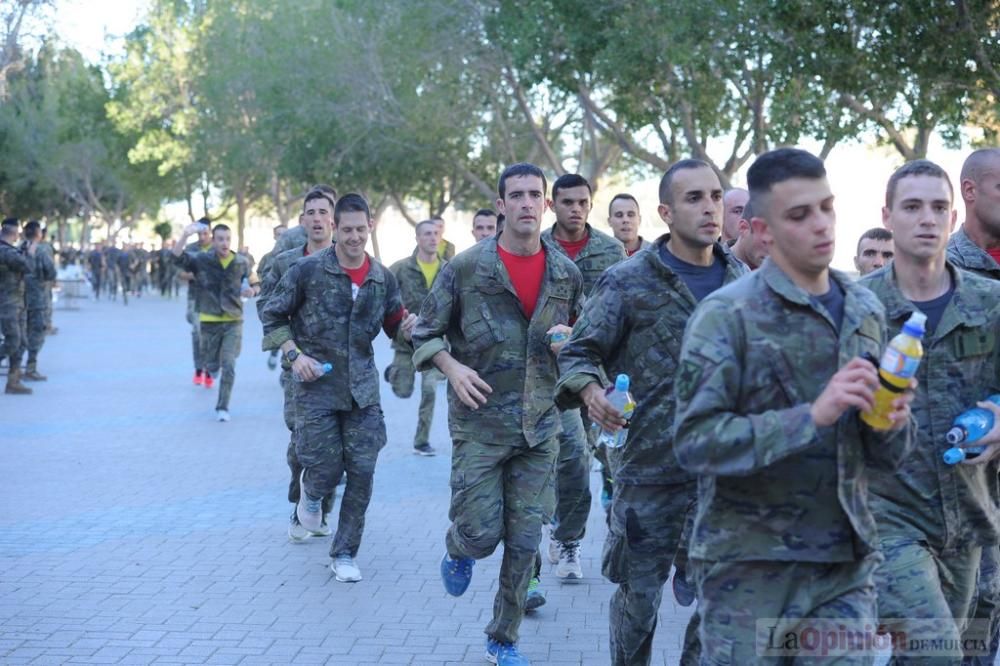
(599, 409)
(470, 388)
(900, 413)
(305, 367)
(852, 386)
(990, 440)
(559, 335)
(407, 325)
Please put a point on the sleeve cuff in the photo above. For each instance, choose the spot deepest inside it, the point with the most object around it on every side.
(276, 338)
(568, 389)
(422, 355)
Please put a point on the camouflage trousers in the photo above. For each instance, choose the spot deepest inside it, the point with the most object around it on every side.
(987, 605)
(927, 587)
(291, 456)
(644, 532)
(34, 333)
(572, 479)
(220, 345)
(331, 442)
(48, 307)
(752, 611)
(12, 324)
(501, 493)
(192, 318)
(401, 376)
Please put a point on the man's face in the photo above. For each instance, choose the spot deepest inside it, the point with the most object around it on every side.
(428, 236)
(624, 220)
(695, 216)
(921, 217)
(317, 218)
(484, 226)
(220, 241)
(873, 254)
(799, 225)
(734, 201)
(985, 197)
(352, 234)
(756, 248)
(572, 207)
(523, 204)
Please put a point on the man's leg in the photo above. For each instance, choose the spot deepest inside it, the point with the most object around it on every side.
(572, 493)
(987, 608)
(428, 390)
(527, 486)
(10, 323)
(363, 435)
(229, 350)
(35, 333)
(645, 529)
(477, 501)
(319, 445)
(292, 459)
(192, 318)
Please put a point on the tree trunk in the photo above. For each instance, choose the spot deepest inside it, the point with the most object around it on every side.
(241, 216)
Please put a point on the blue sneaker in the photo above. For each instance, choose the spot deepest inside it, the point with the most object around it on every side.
(456, 574)
(504, 654)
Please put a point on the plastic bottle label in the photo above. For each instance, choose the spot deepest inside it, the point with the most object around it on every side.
(899, 364)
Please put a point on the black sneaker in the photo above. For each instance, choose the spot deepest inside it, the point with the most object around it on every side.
(424, 449)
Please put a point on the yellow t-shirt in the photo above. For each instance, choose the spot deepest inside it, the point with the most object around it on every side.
(429, 270)
(211, 318)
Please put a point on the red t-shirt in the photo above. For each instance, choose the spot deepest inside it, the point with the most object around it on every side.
(995, 253)
(359, 274)
(526, 273)
(631, 252)
(573, 247)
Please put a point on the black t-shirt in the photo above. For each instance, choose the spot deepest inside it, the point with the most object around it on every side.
(833, 302)
(701, 280)
(934, 309)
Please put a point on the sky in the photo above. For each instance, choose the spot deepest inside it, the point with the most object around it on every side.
(857, 171)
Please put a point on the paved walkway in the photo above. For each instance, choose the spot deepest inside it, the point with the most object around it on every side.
(135, 529)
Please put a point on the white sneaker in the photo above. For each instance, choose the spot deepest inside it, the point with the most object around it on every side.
(554, 549)
(345, 570)
(324, 529)
(222, 415)
(309, 511)
(569, 562)
(297, 533)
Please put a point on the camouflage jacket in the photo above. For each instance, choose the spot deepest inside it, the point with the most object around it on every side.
(191, 248)
(412, 286)
(219, 288)
(600, 253)
(294, 237)
(927, 499)
(36, 281)
(277, 266)
(965, 254)
(314, 305)
(633, 323)
(473, 304)
(14, 266)
(772, 484)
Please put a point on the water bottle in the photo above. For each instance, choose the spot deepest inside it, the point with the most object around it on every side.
(620, 398)
(968, 427)
(244, 285)
(557, 337)
(321, 368)
(899, 365)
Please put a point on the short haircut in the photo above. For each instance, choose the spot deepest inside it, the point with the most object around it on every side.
(322, 187)
(316, 193)
(484, 212)
(978, 163)
(915, 168)
(519, 169)
(352, 202)
(10, 226)
(32, 229)
(424, 223)
(220, 227)
(875, 233)
(667, 181)
(204, 220)
(777, 166)
(568, 180)
(621, 195)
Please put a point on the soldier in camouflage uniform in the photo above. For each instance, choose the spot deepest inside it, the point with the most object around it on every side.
(297, 236)
(632, 323)
(593, 252)
(976, 247)
(415, 275)
(43, 272)
(15, 265)
(624, 219)
(46, 247)
(769, 387)
(496, 305)
(203, 244)
(262, 270)
(328, 308)
(222, 277)
(317, 218)
(934, 519)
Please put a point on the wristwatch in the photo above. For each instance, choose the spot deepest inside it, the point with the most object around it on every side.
(291, 355)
